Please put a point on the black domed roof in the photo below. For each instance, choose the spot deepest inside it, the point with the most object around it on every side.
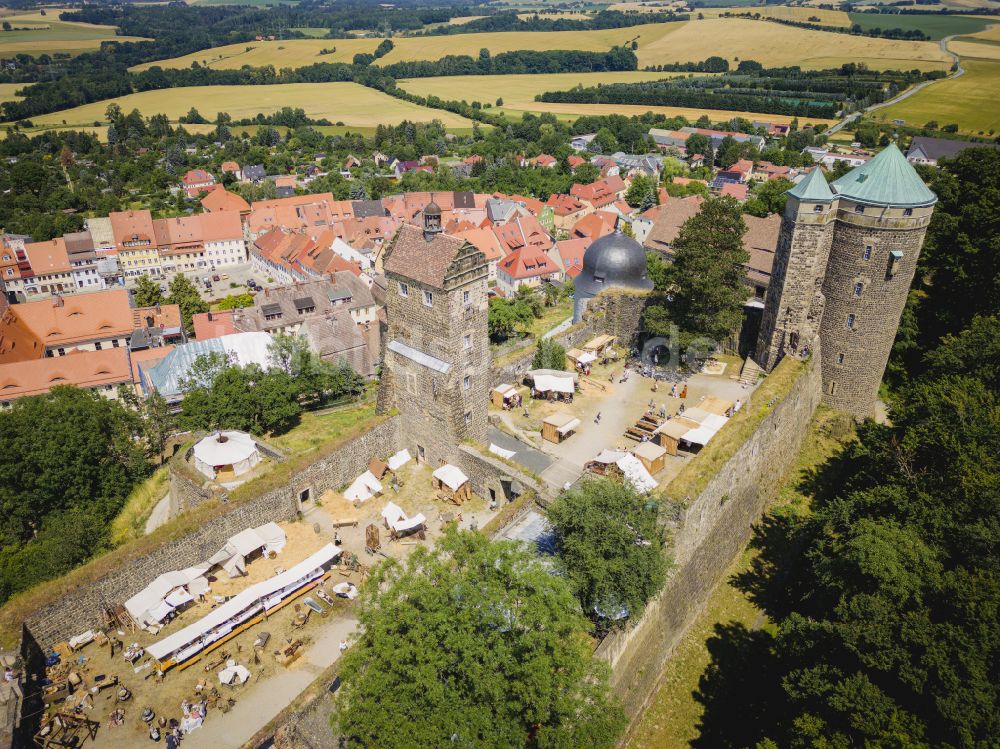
(432, 209)
(613, 261)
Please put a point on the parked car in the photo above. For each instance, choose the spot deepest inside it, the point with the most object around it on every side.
(216, 277)
(225, 277)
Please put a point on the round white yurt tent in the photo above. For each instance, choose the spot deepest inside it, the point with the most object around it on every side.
(230, 454)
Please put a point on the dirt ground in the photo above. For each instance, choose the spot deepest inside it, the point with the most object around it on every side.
(164, 697)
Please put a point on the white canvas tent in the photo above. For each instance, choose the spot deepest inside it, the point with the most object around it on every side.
(451, 476)
(232, 557)
(364, 488)
(635, 473)
(242, 607)
(392, 513)
(399, 460)
(223, 451)
(151, 604)
(546, 383)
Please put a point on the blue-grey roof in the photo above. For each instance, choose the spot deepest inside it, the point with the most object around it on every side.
(426, 360)
(813, 188)
(887, 180)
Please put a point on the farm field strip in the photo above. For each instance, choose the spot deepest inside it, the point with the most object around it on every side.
(936, 26)
(789, 13)
(968, 101)
(984, 49)
(350, 103)
(733, 38)
(47, 34)
(7, 91)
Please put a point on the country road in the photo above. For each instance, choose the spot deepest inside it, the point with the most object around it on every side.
(959, 70)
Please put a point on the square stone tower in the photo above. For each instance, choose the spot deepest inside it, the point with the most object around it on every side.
(842, 272)
(437, 359)
(794, 303)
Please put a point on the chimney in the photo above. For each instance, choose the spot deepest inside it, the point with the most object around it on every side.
(57, 300)
(210, 315)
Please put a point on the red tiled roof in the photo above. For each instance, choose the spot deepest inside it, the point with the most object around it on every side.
(526, 262)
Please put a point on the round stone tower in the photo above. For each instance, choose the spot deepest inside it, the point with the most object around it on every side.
(882, 213)
(613, 261)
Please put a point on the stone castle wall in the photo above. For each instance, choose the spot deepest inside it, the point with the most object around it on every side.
(81, 608)
(514, 370)
(618, 312)
(713, 529)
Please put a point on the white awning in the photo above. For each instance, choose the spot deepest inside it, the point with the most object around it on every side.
(408, 524)
(178, 598)
(506, 454)
(609, 456)
(553, 383)
(451, 476)
(399, 460)
(568, 426)
(636, 474)
(699, 436)
(586, 357)
(504, 389)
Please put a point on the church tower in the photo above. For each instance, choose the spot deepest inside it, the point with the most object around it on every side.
(846, 258)
(437, 359)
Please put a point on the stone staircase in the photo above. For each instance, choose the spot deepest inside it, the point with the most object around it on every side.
(750, 372)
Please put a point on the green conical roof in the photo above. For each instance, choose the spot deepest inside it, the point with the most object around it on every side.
(888, 179)
(813, 188)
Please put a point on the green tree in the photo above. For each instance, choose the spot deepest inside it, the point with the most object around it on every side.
(235, 301)
(66, 456)
(147, 293)
(768, 197)
(642, 192)
(244, 398)
(707, 280)
(473, 643)
(506, 318)
(610, 548)
(549, 355)
(185, 294)
(316, 380)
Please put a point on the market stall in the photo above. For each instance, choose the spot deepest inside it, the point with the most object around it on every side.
(559, 426)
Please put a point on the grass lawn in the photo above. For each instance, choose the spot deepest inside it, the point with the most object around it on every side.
(350, 103)
(968, 101)
(35, 34)
(131, 521)
(937, 26)
(552, 316)
(316, 428)
(671, 721)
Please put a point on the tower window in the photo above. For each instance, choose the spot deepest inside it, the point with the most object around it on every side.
(466, 297)
(832, 388)
(466, 382)
(428, 299)
(817, 208)
(468, 418)
(857, 289)
(467, 342)
(859, 208)
(404, 289)
(907, 211)
(867, 253)
(840, 358)
(850, 321)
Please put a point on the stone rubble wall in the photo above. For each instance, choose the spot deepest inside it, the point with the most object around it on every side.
(714, 528)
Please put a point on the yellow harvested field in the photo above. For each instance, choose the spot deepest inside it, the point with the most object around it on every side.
(599, 40)
(459, 20)
(36, 34)
(7, 90)
(991, 34)
(349, 103)
(978, 50)
(295, 53)
(555, 16)
(968, 101)
(517, 91)
(773, 45)
(629, 110)
(788, 13)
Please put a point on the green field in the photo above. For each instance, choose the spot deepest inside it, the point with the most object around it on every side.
(36, 34)
(970, 101)
(350, 103)
(518, 94)
(937, 26)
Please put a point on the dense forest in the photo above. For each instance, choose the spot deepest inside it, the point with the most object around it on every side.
(789, 91)
(885, 597)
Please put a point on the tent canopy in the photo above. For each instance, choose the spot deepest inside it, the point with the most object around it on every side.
(677, 427)
(364, 487)
(505, 389)
(451, 476)
(254, 596)
(636, 474)
(399, 460)
(552, 383)
(224, 448)
(392, 513)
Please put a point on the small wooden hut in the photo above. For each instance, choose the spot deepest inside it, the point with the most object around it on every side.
(669, 433)
(559, 426)
(599, 345)
(651, 455)
(503, 396)
(452, 484)
(581, 359)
